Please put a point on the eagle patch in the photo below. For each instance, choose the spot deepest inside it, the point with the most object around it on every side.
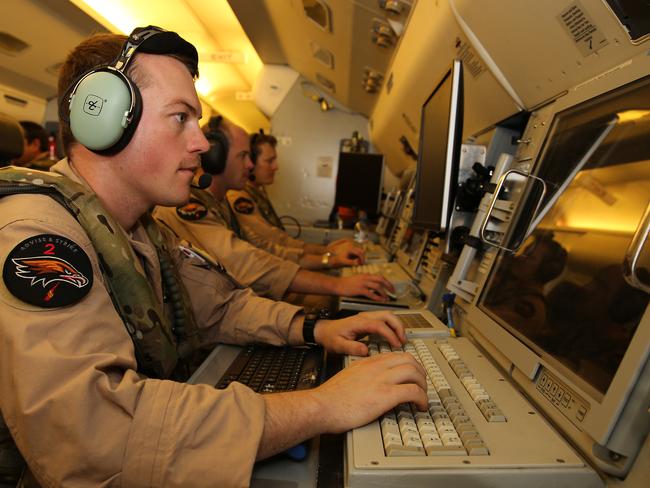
(48, 270)
(194, 210)
(244, 205)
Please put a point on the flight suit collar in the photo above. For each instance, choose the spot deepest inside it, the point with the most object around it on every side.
(63, 167)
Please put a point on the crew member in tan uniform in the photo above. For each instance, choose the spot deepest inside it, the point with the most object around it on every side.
(260, 223)
(91, 357)
(206, 222)
(35, 147)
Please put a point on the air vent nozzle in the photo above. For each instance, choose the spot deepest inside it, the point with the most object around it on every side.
(318, 12)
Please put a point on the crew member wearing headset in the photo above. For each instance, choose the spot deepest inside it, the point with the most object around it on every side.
(259, 221)
(206, 222)
(103, 315)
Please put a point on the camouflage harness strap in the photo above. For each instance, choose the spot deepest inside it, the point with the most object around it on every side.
(133, 297)
(265, 206)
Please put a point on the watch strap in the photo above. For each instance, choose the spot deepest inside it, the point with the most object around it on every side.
(308, 327)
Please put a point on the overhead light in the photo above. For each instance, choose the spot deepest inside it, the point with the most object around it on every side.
(324, 104)
(311, 92)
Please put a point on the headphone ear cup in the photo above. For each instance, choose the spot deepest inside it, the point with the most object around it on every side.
(214, 160)
(99, 108)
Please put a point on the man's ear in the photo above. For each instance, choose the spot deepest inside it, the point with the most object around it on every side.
(35, 145)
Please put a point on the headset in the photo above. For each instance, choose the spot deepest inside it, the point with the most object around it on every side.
(214, 160)
(104, 104)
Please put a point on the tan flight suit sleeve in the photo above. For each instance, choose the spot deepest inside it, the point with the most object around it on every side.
(255, 223)
(292, 254)
(266, 274)
(229, 312)
(75, 405)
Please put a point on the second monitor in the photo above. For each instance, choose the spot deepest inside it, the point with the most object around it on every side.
(359, 181)
(440, 141)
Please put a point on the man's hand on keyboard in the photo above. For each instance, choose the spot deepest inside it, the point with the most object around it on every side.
(369, 387)
(345, 253)
(372, 286)
(340, 336)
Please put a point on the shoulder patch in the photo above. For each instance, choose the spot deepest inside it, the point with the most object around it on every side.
(194, 210)
(244, 205)
(48, 270)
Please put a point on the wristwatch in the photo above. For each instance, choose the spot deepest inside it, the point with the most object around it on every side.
(308, 329)
(325, 260)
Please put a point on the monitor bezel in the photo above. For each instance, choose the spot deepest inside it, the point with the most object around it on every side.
(452, 152)
(610, 421)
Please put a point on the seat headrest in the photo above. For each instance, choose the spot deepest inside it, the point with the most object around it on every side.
(11, 139)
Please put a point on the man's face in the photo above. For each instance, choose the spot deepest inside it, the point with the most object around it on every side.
(239, 165)
(266, 165)
(158, 164)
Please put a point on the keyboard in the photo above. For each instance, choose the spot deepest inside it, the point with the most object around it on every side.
(477, 429)
(272, 369)
(374, 253)
(393, 272)
(418, 320)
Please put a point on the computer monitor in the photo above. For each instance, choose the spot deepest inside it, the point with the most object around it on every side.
(359, 181)
(440, 140)
(569, 311)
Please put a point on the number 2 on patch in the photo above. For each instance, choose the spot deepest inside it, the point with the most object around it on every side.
(49, 249)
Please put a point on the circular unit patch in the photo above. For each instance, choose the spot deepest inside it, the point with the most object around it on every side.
(48, 271)
(244, 205)
(194, 210)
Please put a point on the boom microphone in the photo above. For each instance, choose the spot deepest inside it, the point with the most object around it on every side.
(204, 181)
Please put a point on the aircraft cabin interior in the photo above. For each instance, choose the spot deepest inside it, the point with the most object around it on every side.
(492, 158)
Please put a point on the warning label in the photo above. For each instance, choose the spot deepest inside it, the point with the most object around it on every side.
(582, 29)
(471, 61)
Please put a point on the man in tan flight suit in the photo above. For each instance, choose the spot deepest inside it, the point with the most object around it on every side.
(260, 223)
(206, 223)
(101, 312)
(35, 147)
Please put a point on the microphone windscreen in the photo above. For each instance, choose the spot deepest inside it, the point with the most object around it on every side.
(204, 181)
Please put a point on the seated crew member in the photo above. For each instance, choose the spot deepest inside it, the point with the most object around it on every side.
(201, 222)
(259, 221)
(35, 154)
(101, 313)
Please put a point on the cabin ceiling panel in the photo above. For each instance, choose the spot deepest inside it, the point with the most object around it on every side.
(306, 46)
(51, 28)
(255, 19)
